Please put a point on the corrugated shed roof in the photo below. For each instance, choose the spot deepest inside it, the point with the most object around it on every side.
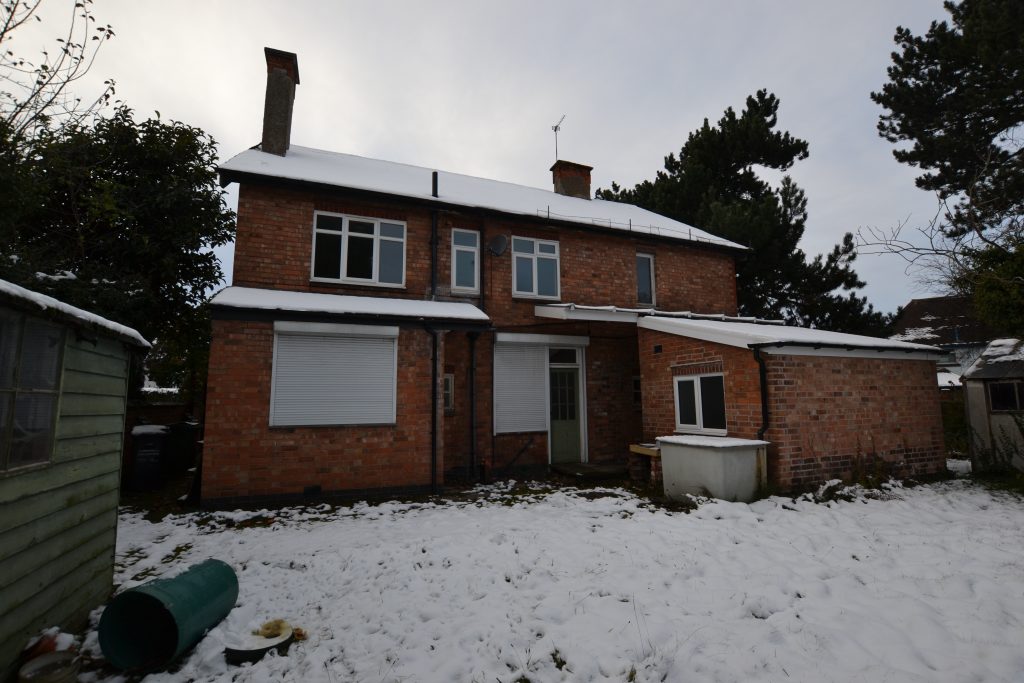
(34, 300)
(1002, 359)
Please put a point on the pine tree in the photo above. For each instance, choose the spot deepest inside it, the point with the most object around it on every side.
(712, 184)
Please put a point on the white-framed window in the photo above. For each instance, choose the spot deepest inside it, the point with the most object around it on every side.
(30, 360)
(535, 268)
(448, 393)
(465, 261)
(645, 279)
(700, 404)
(328, 374)
(358, 250)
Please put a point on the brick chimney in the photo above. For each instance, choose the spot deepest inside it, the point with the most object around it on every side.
(572, 180)
(282, 77)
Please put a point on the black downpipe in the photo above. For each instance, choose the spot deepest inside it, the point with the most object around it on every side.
(474, 473)
(762, 373)
(433, 412)
(483, 264)
(433, 242)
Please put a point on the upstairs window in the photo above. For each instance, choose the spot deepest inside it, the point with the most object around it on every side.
(700, 404)
(465, 261)
(30, 360)
(358, 250)
(535, 268)
(645, 279)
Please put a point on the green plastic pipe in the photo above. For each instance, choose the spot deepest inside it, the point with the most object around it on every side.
(147, 627)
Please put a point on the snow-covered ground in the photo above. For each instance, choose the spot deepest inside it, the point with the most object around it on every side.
(922, 584)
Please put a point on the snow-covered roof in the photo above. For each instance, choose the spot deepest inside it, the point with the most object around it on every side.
(948, 379)
(1001, 358)
(375, 175)
(571, 311)
(780, 338)
(340, 304)
(71, 313)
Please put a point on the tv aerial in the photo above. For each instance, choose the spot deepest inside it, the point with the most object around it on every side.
(557, 127)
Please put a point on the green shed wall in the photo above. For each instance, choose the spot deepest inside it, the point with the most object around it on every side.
(59, 522)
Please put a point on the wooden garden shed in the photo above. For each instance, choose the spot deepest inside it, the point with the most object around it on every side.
(63, 384)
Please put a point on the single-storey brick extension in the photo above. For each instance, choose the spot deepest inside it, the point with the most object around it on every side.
(390, 328)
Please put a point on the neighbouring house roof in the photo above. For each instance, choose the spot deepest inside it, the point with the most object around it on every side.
(28, 300)
(1002, 358)
(942, 321)
(774, 338)
(304, 164)
(251, 298)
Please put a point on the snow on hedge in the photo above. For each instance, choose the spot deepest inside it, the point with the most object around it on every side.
(925, 584)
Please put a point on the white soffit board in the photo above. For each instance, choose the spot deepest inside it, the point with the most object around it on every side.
(788, 340)
(540, 339)
(571, 313)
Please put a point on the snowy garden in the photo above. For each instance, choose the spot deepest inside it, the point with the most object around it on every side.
(535, 583)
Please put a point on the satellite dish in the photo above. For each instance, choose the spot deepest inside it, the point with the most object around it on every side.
(498, 245)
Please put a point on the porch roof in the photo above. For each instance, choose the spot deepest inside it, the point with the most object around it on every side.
(572, 311)
(251, 298)
(785, 339)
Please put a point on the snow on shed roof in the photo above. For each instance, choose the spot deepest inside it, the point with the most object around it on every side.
(71, 313)
(1002, 358)
(375, 175)
(776, 338)
(340, 304)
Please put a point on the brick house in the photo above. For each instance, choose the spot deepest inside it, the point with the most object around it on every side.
(390, 328)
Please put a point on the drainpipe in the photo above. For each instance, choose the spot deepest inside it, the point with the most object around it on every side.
(433, 241)
(483, 261)
(762, 372)
(433, 408)
(473, 473)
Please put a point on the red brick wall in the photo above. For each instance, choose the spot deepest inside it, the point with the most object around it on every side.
(682, 356)
(829, 417)
(852, 417)
(613, 418)
(244, 457)
(273, 249)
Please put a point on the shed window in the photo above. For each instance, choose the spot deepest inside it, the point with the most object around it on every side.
(30, 360)
(333, 375)
(1006, 396)
(358, 250)
(700, 404)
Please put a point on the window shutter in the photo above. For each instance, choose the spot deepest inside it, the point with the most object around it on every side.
(520, 388)
(333, 380)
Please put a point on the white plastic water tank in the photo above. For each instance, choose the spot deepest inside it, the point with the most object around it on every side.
(719, 466)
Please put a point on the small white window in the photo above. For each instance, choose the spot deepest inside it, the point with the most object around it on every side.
(700, 404)
(358, 250)
(448, 393)
(333, 374)
(465, 261)
(535, 268)
(645, 279)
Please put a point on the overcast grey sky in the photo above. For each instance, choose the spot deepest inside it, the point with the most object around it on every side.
(474, 87)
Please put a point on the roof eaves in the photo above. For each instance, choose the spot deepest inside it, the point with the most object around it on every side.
(228, 176)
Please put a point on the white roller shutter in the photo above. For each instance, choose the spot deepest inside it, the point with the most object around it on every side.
(323, 379)
(520, 388)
